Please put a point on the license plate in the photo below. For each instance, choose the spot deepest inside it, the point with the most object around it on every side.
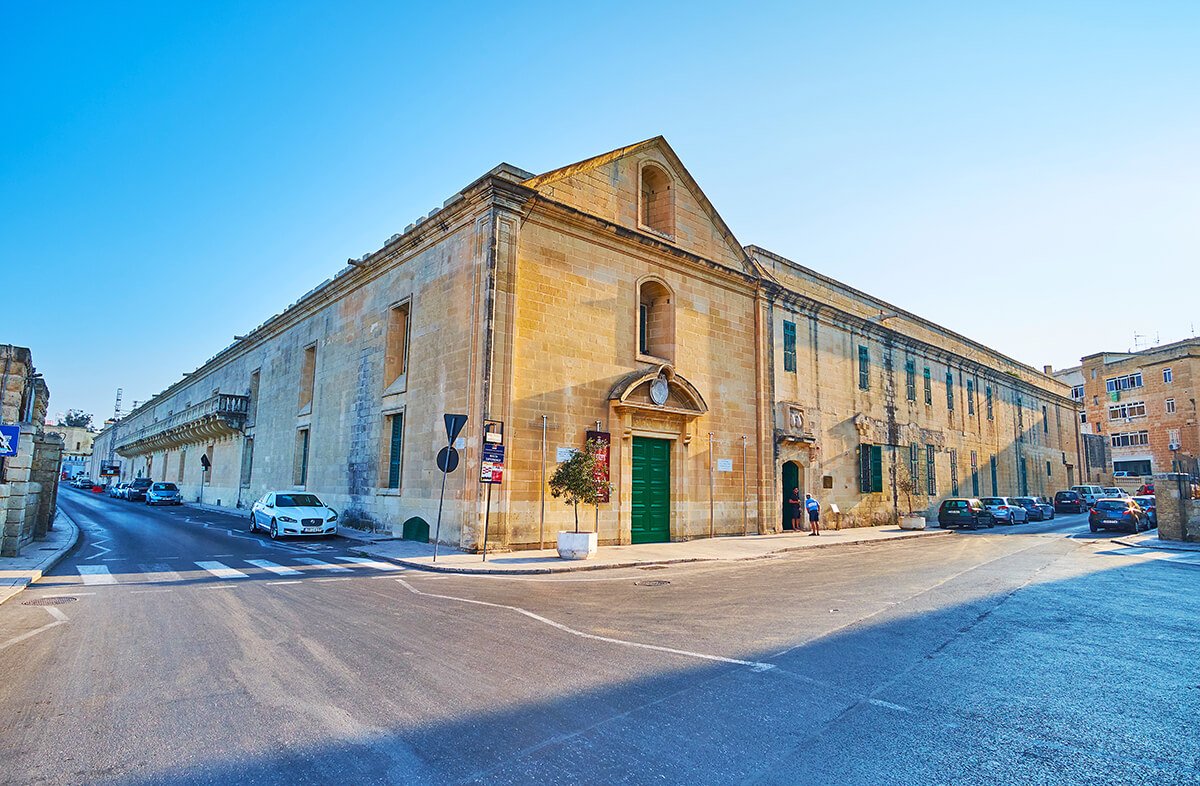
(1112, 521)
(312, 529)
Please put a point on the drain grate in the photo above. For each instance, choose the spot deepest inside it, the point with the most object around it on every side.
(56, 600)
(652, 583)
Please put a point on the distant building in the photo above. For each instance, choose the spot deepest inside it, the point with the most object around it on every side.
(77, 447)
(1144, 404)
(610, 296)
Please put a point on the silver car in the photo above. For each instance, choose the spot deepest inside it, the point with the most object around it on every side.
(1005, 510)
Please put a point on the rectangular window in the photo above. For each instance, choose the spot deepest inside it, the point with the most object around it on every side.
(1126, 382)
(1173, 436)
(988, 396)
(970, 397)
(914, 466)
(1170, 405)
(1167, 377)
(995, 485)
(300, 465)
(1132, 409)
(395, 359)
(395, 449)
(870, 468)
(308, 373)
(643, 318)
(954, 473)
(950, 390)
(1130, 439)
(928, 387)
(1020, 414)
(1077, 392)
(1024, 479)
(974, 474)
(1045, 422)
(247, 461)
(789, 346)
(864, 369)
(1048, 472)
(910, 380)
(252, 404)
(930, 475)
(182, 464)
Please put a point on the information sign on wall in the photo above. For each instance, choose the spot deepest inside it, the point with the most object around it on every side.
(491, 466)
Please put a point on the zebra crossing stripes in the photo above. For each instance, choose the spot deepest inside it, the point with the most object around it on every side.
(96, 574)
(316, 563)
(222, 571)
(371, 563)
(273, 567)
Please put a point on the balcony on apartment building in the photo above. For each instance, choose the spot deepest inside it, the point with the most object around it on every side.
(222, 415)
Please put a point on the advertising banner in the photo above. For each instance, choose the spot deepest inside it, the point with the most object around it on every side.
(604, 439)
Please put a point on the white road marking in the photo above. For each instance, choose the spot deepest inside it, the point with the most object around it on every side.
(222, 571)
(754, 665)
(274, 567)
(339, 579)
(164, 571)
(270, 583)
(888, 704)
(142, 592)
(66, 595)
(59, 619)
(371, 563)
(96, 574)
(316, 563)
(112, 559)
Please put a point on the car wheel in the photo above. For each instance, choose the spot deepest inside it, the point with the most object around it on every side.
(1093, 527)
(274, 530)
(253, 525)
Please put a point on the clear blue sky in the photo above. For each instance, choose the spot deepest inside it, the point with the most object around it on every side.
(172, 174)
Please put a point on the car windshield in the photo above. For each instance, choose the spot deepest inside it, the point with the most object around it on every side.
(297, 501)
(955, 504)
(1113, 491)
(1144, 500)
(165, 487)
(141, 484)
(1025, 500)
(1111, 504)
(992, 501)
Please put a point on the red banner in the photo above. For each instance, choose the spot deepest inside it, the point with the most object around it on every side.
(603, 439)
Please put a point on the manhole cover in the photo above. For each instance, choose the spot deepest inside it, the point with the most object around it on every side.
(652, 583)
(55, 601)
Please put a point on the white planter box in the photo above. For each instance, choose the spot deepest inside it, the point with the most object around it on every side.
(576, 545)
(912, 522)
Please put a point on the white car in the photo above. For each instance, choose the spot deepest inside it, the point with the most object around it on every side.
(292, 513)
(1115, 493)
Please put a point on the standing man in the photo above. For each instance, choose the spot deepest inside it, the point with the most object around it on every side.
(795, 505)
(814, 514)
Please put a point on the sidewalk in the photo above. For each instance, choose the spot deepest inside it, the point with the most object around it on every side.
(37, 557)
(414, 554)
(1150, 540)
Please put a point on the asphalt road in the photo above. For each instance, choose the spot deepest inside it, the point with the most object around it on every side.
(1039, 653)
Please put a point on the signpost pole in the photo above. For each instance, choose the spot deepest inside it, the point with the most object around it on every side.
(487, 512)
(596, 528)
(745, 518)
(542, 525)
(711, 503)
(437, 532)
(454, 424)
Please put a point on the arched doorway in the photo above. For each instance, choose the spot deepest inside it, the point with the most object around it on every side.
(791, 480)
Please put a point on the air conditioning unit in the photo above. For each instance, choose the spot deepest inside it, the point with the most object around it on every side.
(1173, 446)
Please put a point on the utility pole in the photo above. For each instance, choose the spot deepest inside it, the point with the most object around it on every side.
(112, 437)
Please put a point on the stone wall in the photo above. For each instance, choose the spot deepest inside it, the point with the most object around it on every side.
(1178, 519)
(29, 480)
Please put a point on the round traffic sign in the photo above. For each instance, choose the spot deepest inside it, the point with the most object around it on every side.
(447, 459)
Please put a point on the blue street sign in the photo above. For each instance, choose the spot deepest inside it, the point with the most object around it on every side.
(8, 440)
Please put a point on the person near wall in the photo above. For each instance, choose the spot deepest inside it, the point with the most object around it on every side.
(814, 514)
(794, 503)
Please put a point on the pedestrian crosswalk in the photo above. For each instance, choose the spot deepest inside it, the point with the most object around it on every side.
(160, 572)
(1176, 557)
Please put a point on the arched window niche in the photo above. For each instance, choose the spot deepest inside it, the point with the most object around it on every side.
(656, 320)
(657, 209)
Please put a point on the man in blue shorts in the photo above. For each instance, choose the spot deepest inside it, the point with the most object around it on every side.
(814, 514)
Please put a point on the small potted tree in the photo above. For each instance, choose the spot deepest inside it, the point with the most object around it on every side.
(577, 480)
(911, 489)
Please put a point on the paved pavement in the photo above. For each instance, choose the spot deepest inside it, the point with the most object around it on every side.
(1035, 654)
(37, 558)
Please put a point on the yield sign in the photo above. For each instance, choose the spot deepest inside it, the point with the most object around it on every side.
(454, 424)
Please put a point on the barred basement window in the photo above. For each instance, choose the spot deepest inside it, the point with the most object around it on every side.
(930, 472)
(789, 346)
(910, 380)
(970, 397)
(864, 369)
(870, 468)
(928, 387)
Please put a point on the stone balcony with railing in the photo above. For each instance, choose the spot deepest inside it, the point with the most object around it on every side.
(222, 415)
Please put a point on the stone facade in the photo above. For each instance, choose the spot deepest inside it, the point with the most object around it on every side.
(607, 295)
(28, 480)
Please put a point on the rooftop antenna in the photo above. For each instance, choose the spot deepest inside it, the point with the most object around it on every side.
(1139, 342)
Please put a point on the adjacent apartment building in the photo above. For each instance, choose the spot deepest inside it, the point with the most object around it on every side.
(606, 296)
(1144, 404)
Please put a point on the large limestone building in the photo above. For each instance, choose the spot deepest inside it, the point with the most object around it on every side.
(604, 296)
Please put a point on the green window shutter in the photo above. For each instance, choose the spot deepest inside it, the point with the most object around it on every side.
(928, 386)
(910, 380)
(864, 369)
(950, 390)
(876, 468)
(864, 469)
(930, 471)
(395, 451)
(789, 346)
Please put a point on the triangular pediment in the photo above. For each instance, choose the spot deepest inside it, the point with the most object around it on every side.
(611, 187)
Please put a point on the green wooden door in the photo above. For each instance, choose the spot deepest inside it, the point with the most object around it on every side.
(651, 505)
(791, 480)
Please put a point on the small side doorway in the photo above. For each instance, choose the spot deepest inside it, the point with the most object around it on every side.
(650, 508)
(791, 480)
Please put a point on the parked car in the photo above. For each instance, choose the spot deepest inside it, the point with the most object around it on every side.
(1069, 502)
(1147, 488)
(115, 489)
(1037, 510)
(292, 513)
(1089, 493)
(163, 494)
(964, 512)
(1005, 510)
(136, 491)
(1146, 503)
(1117, 513)
(1115, 492)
